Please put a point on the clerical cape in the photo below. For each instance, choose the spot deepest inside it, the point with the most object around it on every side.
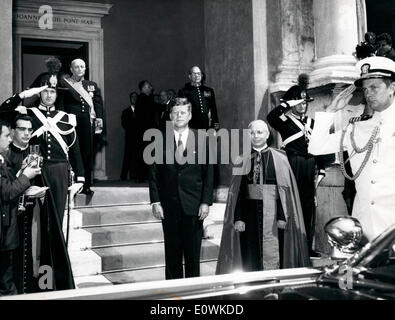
(295, 250)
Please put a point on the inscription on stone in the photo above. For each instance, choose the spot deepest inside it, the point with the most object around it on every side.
(56, 19)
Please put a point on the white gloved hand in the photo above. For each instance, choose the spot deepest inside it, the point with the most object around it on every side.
(31, 92)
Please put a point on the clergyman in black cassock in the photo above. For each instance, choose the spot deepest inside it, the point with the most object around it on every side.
(263, 223)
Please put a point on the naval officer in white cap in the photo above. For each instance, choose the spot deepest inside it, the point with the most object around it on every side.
(369, 142)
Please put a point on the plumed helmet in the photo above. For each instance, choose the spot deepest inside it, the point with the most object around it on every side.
(298, 91)
(50, 80)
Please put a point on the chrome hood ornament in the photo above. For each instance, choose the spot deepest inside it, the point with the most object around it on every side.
(344, 235)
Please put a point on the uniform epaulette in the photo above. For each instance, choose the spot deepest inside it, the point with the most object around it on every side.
(363, 117)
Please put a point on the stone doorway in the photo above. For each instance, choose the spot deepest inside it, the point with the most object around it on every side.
(62, 28)
(35, 51)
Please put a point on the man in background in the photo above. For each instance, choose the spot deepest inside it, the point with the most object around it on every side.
(202, 98)
(130, 125)
(83, 99)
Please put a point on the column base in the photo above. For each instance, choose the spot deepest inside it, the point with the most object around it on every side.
(334, 69)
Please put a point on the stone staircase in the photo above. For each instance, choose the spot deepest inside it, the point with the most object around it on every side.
(114, 238)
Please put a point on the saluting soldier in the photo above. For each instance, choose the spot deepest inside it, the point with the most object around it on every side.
(83, 99)
(294, 126)
(370, 144)
(54, 132)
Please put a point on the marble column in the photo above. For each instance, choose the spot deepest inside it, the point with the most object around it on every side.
(6, 49)
(259, 29)
(336, 36)
(297, 42)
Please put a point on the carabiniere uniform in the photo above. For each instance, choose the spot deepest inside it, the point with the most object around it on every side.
(295, 133)
(54, 149)
(83, 99)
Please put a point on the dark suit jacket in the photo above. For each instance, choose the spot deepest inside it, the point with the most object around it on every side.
(10, 190)
(188, 185)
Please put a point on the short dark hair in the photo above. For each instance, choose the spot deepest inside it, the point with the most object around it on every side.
(132, 93)
(386, 37)
(23, 117)
(3, 123)
(182, 102)
(142, 84)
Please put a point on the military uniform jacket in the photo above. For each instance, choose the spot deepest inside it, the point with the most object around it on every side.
(10, 189)
(288, 126)
(375, 199)
(203, 102)
(50, 148)
(74, 103)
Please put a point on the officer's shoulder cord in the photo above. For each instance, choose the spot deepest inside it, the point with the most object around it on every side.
(368, 148)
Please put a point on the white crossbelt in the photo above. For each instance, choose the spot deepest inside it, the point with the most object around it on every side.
(50, 125)
(305, 130)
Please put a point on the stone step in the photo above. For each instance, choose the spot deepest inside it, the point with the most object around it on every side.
(153, 274)
(126, 234)
(145, 255)
(116, 214)
(91, 281)
(113, 195)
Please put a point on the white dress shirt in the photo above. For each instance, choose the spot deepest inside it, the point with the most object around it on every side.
(184, 137)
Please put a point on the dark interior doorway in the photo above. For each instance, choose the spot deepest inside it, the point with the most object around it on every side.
(381, 17)
(36, 51)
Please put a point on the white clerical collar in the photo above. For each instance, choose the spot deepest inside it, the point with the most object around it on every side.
(260, 149)
(184, 136)
(46, 108)
(20, 148)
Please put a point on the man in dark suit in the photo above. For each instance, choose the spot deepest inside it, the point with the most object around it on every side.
(129, 124)
(147, 118)
(202, 98)
(181, 191)
(11, 187)
(83, 98)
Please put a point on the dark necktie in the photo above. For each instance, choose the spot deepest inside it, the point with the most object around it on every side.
(180, 149)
